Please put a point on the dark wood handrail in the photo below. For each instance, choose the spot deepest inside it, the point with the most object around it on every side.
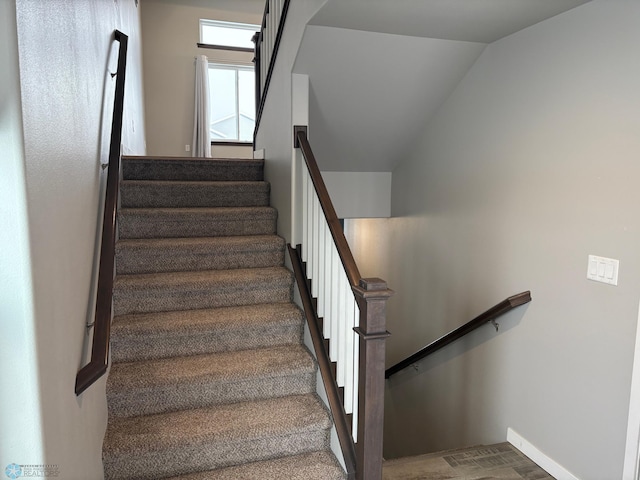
(491, 314)
(261, 93)
(349, 264)
(97, 366)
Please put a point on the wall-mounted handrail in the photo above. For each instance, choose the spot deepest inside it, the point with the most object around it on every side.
(97, 366)
(488, 316)
(267, 43)
(350, 314)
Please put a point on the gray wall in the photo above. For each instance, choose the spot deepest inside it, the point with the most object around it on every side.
(170, 32)
(55, 127)
(529, 166)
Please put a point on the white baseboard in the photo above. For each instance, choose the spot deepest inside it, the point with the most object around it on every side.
(547, 464)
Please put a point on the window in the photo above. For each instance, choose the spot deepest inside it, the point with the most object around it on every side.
(231, 84)
(232, 102)
(227, 34)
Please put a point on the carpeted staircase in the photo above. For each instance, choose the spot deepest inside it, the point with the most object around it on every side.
(209, 376)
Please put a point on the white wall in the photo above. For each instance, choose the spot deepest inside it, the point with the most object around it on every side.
(530, 166)
(232, 151)
(370, 93)
(21, 439)
(359, 194)
(65, 52)
(170, 32)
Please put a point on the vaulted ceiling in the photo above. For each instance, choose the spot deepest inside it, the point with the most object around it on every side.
(483, 21)
(379, 70)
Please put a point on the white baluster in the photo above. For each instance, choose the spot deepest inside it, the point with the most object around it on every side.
(342, 326)
(319, 233)
(348, 340)
(335, 303)
(356, 371)
(311, 194)
(305, 212)
(322, 265)
(313, 247)
(266, 54)
(278, 14)
(273, 14)
(328, 283)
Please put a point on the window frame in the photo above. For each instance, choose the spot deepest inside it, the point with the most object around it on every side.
(204, 22)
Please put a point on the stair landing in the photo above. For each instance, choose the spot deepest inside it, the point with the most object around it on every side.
(501, 462)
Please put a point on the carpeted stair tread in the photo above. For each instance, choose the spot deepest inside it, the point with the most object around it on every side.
(153, 255)
(196, 222)
(157, 386)
(185, 168)
(157, 292)
(193, 332)
(163, 193)
(209, 375)
(186, 441)
(321, 465)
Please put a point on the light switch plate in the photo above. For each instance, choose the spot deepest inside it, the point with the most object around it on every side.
(603, 269)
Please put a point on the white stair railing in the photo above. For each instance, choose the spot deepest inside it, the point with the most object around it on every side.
(336, 303)
(350, 309)
(266, 48)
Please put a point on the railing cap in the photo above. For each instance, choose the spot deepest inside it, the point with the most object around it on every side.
(372, 288)
(370, 284)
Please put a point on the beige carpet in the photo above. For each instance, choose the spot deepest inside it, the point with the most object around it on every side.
(500, 461)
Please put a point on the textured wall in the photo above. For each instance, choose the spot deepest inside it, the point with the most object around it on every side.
(66, 52)
(18, 361)
(530, 165)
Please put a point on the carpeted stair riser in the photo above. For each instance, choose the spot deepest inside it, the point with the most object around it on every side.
(161, 292)
(309, 466)
(198, 253)
(158, 194)
(157, 446)
(159, 386)
(149, 336)
(199, 169)
(196, 222)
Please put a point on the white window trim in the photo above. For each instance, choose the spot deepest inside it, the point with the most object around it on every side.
(220, 23)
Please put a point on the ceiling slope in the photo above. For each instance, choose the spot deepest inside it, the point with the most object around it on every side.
(379, 70)
(482, 21)
(371, 93)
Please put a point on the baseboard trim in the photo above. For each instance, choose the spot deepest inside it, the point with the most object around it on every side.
(546, 463)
